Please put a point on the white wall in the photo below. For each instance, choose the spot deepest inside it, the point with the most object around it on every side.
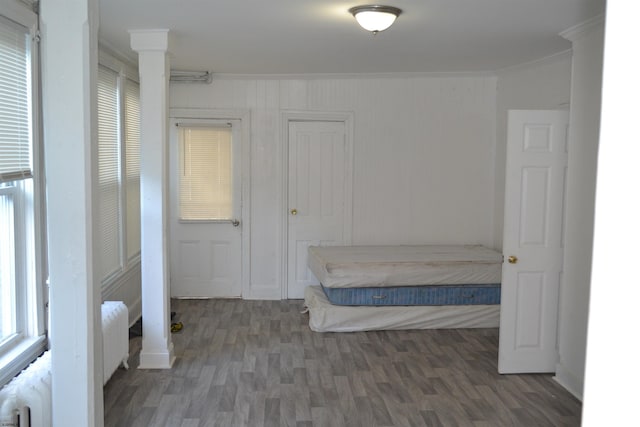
(541, 85)
(610, 395)
(424, 157)
(586, 83)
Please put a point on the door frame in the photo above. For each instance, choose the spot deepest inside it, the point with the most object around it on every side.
(345, 117)
(244, 116)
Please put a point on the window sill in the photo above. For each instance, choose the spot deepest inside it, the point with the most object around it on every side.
(18, 358)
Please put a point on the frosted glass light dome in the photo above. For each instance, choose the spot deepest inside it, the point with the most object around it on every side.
(375, 18)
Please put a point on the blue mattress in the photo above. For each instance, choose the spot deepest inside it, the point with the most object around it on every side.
(485, 294)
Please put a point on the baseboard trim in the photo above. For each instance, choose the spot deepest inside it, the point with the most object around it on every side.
(569, 381)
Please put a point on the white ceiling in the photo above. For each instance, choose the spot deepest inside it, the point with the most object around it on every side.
(320, 36)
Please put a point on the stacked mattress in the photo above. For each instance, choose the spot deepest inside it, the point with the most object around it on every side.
(434, 285)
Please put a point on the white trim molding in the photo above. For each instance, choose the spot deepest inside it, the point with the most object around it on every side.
(577, 31)
(359, 76)
(550, 59)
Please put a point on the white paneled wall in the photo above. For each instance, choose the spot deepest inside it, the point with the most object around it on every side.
(424, 150)
(544, 84)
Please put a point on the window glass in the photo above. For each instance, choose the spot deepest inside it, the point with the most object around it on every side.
(8, 325)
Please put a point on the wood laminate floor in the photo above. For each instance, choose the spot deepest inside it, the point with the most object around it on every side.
(257, 363)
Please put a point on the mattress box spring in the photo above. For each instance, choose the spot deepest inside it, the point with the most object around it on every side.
(484, 294)
(327, 317)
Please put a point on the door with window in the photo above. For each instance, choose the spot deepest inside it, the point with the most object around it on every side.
(205, 198)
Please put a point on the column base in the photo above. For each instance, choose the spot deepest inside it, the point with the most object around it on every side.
(157, 359)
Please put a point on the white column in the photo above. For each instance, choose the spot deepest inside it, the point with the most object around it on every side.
(153, 65)
(69, 86)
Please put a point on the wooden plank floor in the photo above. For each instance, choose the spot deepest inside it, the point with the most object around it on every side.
(257, 363)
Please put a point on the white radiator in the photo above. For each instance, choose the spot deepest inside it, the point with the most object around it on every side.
(26, 400)
(115, 336)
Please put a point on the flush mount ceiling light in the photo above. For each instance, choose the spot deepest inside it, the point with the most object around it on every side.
(375, 18)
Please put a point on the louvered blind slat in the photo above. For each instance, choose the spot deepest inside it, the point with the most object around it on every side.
(205, 174)
(108, 171)
(132, 166)
(15, 95)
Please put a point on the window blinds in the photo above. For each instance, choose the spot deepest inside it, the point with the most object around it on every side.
(109, 171)
(205, 173)
(132, 164)
(15, 102)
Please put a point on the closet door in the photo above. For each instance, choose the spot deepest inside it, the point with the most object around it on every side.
(533, 240)
(316, 195)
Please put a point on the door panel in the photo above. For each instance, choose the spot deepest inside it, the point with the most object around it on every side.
(316, 195)
(534, 201)
(535, 182)
(206, 256)
(529, 291)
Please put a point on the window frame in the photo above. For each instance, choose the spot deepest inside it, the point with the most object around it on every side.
(29, 223)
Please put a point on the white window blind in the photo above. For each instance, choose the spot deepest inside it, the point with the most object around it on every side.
(205, 173)
(118, 171)
(132, 164)
(15, 105)
(109, 171)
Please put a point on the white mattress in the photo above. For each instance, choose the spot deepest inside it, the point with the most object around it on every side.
(371, 266)
(326, 317)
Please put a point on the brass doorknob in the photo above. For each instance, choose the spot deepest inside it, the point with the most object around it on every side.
(512, 259)
(294, 211)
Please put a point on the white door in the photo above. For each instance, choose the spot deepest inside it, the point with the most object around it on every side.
(205, 207)
(533, 243)
(316, 195)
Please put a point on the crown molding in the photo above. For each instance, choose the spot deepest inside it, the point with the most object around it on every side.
(118, 62)
(129, 58)
(340, 76)
(578, 31)
(550, 59)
